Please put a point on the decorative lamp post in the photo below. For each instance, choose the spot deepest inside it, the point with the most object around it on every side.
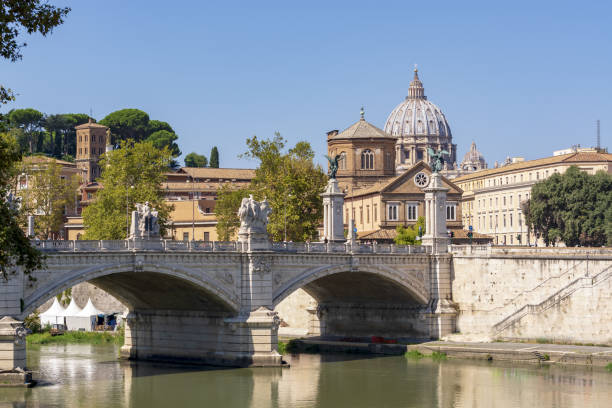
(127, 212)
(288, 196)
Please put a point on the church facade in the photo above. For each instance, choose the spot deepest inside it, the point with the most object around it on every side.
(377, 167)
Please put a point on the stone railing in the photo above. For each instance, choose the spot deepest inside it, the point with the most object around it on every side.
(220, 246)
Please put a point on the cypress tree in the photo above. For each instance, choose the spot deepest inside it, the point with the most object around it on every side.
(214, 158)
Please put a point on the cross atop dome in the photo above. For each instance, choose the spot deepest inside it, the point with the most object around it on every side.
(416, 90)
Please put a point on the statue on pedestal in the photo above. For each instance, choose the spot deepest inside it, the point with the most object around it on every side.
(333, 165)
(254, 215)
(144, 222)
(437, 159)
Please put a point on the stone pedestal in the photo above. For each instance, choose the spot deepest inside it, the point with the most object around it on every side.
(13, 354)
(333, 202)
(436, 234)
(12, 344)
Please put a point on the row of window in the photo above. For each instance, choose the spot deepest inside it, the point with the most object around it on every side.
(505, 202)
(93, 138)
(206, 236)
(367, 160)
(498, 181)
(93, 150)
(507, 220)
(412, 211)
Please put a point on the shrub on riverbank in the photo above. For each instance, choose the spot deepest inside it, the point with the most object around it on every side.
(609, 367)
(76, 337)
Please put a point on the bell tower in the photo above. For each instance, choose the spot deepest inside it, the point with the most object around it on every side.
(91, 143)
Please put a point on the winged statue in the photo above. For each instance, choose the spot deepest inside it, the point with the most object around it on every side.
(437, 159)
(333, 165)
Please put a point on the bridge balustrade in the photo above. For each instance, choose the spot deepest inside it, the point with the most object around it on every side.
(223, 246)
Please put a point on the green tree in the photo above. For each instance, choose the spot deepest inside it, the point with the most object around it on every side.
(164, 138)
(226, 211)
(29, 121)
(140, 165)
(18, 18)
(408, 235)
(195, 160)
(61, 129)
(127, 124)
(214, 157)
(292, 184)
(157, 125)
(572, 207)
(16, 248)
(48, 194)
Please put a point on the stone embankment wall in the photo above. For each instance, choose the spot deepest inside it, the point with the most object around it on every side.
(559, 294)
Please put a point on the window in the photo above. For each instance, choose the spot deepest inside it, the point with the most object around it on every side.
(510, 220)
(412, 211)
(89, 196)
(185, 236)
(342, 161)
(85, 150)
(361, 215)
(367, 160)
(85, 137)
(207, 236)
(538, 175)
(496, 202)
(392, 212)
(504, 201)
(368, 214)
(504, 219)
(450, 212)
(375, 212)
(521, 177)
(80, 138)
(346, 218)
(419, 154)
(510, 200)
(353, 213)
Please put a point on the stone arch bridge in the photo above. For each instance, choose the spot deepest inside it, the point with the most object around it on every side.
(214, 302)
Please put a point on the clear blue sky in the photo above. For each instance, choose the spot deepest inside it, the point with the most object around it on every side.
(519, 78)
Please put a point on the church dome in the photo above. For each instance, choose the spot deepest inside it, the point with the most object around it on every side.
(473, 160)
(416, 116)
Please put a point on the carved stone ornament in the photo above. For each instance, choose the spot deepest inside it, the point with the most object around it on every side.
(260, 266)
(254, 215)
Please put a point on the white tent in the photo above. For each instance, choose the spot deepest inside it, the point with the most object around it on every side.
(86, 317)
(72, 313)
(53, 315)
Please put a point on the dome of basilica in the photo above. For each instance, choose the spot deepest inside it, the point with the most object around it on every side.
(473, 160)
(416, 116)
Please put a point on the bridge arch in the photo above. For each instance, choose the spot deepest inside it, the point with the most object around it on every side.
(403, 287)
(145, 286)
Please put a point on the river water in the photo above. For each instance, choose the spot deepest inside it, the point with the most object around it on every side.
(92, 376)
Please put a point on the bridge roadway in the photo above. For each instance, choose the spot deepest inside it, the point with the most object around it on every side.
(214, 302)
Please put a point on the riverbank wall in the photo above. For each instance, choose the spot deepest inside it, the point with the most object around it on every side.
(556, 294)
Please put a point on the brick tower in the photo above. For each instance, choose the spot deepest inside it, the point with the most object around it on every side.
(91, 143)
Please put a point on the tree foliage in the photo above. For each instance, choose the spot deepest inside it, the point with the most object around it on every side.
(292, 184)
(29, 123)
(18, 18)
(214, 157)
(195, 160)
(47, 196)
(15, 246)
(226, 211)
(163, 138)
(127, 124)
(140, 165)
(573, 207)
(408, 235)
